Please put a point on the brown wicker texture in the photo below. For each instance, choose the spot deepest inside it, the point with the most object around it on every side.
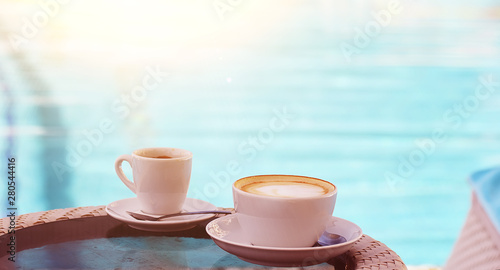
(32, 219)
(365, 254)
(369, 253)
(478, 245)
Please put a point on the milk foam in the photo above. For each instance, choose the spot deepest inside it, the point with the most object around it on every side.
(285, 189)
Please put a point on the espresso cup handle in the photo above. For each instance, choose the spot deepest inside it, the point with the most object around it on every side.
(119, 171)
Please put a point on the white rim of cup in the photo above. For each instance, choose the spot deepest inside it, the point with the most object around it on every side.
(329, 194)
(188, 156)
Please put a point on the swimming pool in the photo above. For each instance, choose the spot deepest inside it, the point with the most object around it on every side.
(391, 116)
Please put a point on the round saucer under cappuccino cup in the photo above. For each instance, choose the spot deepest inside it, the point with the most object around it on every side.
(283, 210)
(161, 178)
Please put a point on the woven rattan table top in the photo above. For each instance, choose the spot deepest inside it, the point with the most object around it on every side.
(39, 232)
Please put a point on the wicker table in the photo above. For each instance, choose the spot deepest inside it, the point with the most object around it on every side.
(87, 238)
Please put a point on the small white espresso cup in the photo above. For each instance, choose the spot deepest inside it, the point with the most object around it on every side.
(283, 210)
(161, 178)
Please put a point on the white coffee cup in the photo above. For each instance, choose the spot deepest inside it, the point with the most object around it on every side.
(161, 178)
(283, 210)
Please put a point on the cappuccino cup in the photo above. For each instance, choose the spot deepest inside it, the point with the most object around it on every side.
(283, 210)
(160, 178)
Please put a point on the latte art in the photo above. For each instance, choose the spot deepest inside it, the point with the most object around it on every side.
(285, 189)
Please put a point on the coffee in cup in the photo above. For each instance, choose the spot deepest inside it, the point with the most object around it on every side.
(286, 188)
(283, 210)
(161, 178)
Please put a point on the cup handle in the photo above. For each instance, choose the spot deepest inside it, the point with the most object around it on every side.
(119, 171)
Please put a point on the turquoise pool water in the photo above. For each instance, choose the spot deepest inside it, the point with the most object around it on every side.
(397, 124)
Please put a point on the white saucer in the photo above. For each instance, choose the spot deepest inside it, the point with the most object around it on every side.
(117, 210)
(227, 234)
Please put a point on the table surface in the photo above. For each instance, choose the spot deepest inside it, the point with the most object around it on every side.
(98, 242)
